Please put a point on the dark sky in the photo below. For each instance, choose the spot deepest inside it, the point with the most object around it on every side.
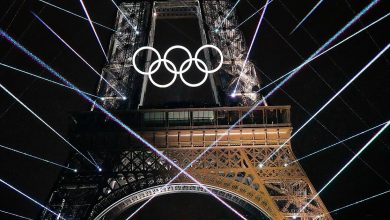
(363, 105)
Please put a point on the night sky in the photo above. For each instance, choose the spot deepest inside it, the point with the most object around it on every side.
(364, 104)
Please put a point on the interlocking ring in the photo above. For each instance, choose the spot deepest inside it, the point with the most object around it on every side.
(171, 67)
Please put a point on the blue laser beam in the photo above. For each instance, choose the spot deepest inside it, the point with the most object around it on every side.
(43, 78)
(126, 18)
(326, 44)
(74, 14)
(114, 119)
(250, 47)
(15, 215)
(259, 103)
(76, 53)
(339, 142)
(227, 15)
(44, 122)
(327, 50)
(251, 16)
(93, 28)
(308, 14)
(360, 201)
(37, 158)
(31, 199)
(347, 164)
(328, 102)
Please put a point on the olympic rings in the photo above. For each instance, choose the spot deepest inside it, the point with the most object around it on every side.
(171, 67)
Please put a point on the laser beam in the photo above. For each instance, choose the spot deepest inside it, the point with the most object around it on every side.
(308, 14)
(126, 18)
(94, 161)
(45, 79)
(347, 164)
(37, 158)
(360, 201)
(327, 50)
(31, 199)
(15, 215)
(76, 53)
(93, 29)
(114, 119)
(74, 14)
(227, 15)
(250, 47)
(47, 125)
(328, 102)
(339, 142)
(251, 16)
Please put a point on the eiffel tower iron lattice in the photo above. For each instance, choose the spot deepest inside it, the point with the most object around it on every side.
(182, 130)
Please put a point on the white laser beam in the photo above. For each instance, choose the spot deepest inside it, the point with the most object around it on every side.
(45, 123)
(36, 157)
(339, 142)
(76, 53)
(328, 102)
(43, 78)
(346, 165)
(126, 18)
(227, 15)
(31, 199)
(250, 47)
(308, 14)
(251, 16)
(360, 201)
(93, 29)
(327, 50)
(74, 14)
(15, 215)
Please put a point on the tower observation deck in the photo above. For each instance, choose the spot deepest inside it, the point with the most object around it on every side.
(182, 121)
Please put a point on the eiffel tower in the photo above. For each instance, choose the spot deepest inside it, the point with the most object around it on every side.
(182, 122)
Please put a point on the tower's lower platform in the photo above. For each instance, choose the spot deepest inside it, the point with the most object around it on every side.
(132, 173)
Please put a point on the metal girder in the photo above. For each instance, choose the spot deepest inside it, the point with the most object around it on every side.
(222, 32)
(131, 26)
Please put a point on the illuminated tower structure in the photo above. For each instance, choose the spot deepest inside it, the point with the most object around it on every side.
(181, 122)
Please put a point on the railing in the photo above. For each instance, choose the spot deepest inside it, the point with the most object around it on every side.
(187, 118)
(213, 117)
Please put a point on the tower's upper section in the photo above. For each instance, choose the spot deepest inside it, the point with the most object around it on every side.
(161, 25)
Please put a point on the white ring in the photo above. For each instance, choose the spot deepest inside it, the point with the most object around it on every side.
(165, 59)
(171, 67)
(220, 62)
(149, 72)
(168, 84)
(193, 84)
